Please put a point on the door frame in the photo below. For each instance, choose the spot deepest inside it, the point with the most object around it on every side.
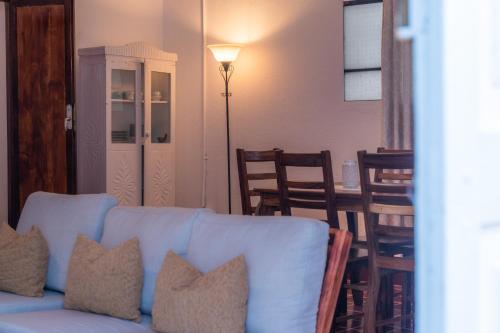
(12, 103)
(426, 20)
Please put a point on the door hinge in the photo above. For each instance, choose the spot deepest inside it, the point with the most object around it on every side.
(68, 121)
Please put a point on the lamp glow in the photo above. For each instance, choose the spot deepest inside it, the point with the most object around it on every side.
(225, 53)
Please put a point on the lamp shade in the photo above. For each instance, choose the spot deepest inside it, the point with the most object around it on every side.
(225, 52)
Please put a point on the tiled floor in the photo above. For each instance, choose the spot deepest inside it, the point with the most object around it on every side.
(356, 325)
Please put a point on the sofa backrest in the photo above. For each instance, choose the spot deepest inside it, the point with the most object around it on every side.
(158, 229)
(61, 218)
(286, 260)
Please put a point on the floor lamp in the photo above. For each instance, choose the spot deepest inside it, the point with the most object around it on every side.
(226, 54)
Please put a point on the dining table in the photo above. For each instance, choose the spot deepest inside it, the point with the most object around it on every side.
(347, 199)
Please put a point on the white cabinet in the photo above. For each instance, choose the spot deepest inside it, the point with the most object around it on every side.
(125, 120)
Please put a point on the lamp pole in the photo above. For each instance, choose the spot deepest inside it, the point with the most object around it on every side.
(225, 54)
(226, 70)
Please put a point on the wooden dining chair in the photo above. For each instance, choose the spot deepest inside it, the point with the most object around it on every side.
(382, 198)
(389, 176)
(338, 253)
(382, 175)
(320, 195)
(246, 191)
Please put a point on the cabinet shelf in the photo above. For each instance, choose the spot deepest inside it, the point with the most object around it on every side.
(158, 102)
(114, 100)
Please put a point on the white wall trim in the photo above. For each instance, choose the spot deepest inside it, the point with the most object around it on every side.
(203, 102)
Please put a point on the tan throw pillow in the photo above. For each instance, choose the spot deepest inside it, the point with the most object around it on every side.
(105, 281)
(186, 301)
(24, 260)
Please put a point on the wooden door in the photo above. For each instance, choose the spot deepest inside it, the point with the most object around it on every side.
(41, 140)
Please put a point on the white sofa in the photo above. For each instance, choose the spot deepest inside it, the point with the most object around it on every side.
(285, 257)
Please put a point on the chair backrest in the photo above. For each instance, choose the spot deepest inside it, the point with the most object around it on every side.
(338, 254)
(246, 192)
(382, 175)
(382, 198)
(307, 194)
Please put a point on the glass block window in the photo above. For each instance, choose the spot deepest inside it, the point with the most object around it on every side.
(363, 50)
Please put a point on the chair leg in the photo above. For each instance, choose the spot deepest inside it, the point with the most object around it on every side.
(370, 308)
(404, 300)
(342, 300)
(355, 278)
(386, 300)
(352, 224)
(411, 314)
(407, 301)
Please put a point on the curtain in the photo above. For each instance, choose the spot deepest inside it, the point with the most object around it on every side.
(396, 87)
(396, 79)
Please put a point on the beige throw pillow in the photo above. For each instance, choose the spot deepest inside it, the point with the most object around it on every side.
(186, 301)
(24, 261)
(105, 281)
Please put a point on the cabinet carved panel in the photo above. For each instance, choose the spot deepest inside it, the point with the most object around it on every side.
(124, 177)
(162, 183)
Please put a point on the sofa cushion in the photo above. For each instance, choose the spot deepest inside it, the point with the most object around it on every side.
(105, 281)
(189, 302)
(286, 259)
(158, 229)
(23, 261)
(61, 218)
(11, 303)
(69, 321)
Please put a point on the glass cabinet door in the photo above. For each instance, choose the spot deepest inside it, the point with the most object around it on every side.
(160, 107)
(159, 137)
(123, 106)
(123, 160)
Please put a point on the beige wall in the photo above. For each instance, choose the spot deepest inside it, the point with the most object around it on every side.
(177, 29)
(116, 22)
(183, 35)
(287, 87)
(3, 120)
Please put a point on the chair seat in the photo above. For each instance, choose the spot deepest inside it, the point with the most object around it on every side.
(406, 264)
(359, 250)
(387, 245)
(405, 248)
(360, 286)
(272, 202)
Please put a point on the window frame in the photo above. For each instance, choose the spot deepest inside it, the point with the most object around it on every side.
(348, 3)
